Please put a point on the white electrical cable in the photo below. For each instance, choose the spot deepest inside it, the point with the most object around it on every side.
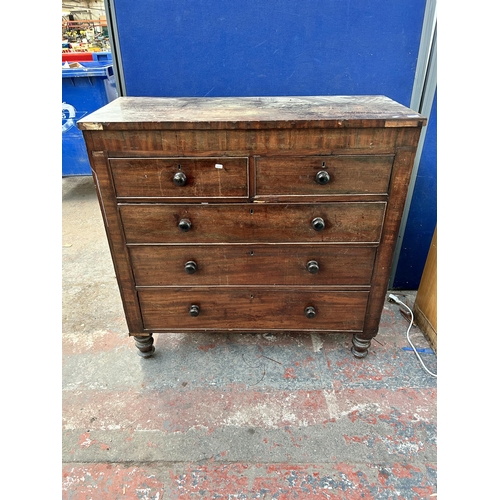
(395, 299)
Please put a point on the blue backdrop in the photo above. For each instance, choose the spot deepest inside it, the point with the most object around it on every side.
(284, 47)
(423, 213)
(266, 47)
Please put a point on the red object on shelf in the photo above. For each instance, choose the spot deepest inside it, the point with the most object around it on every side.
(77, 56)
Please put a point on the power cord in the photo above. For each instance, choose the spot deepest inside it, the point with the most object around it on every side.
(393, 298)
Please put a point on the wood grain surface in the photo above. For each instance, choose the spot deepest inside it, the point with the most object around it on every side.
(252, 309)
(205, 177)
(281, 265)
(156, 113)
(349, 174)
(259, 223)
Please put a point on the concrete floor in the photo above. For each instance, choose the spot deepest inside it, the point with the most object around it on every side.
(232, 416)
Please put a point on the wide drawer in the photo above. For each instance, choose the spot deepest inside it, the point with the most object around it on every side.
(323, 175)
(180, 177)
(240, 223)
(298, 265)
(252, 309)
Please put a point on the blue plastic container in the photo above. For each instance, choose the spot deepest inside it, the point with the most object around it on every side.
(102, 56)
(84, 90)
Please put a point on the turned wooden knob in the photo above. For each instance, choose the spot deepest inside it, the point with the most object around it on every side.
(184, 225)
(180, 179)
(312, 266)
(310, 312)
(318, 224)
(190, 267)
(194, 310)
(322, 177)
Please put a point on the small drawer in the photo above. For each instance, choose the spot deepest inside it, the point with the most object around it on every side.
(180, 177)
(252, 309)
(253, 223)
(323, 175)
(297, 265)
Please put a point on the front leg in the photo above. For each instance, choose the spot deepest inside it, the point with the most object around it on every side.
(360, 346)
(145, 345)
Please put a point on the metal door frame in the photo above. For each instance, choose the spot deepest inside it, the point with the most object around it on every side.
(109, 6)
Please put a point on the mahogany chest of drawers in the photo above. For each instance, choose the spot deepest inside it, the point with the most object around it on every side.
(255, 214)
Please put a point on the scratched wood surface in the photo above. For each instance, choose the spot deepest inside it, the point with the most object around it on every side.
(204, 177)
(156, 113)
(348, 174)
(262, 223)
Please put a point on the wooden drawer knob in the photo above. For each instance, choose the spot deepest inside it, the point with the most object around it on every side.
(310, 312)
(312, 266)
(190, 267)
(184, 225)
(322, 177)
(194, 310)
(318, 224)
(180, 179)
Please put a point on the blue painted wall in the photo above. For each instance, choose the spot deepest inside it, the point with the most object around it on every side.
(422, 215)
(266, 47)
(283, 47)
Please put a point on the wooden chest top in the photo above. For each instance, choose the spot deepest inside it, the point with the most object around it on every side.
(161, 113)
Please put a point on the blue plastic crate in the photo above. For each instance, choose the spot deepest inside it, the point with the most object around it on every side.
(102, 56)
(84, 90)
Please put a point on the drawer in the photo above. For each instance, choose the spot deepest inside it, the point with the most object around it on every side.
(247, 223)
(323, 175)
(180, 177)
(298, 265)
(252, 309)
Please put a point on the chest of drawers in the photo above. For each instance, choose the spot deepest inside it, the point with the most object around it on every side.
(255, 214)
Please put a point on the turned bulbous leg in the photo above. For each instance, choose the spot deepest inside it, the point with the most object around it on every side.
(360, 346)
(145, 345)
